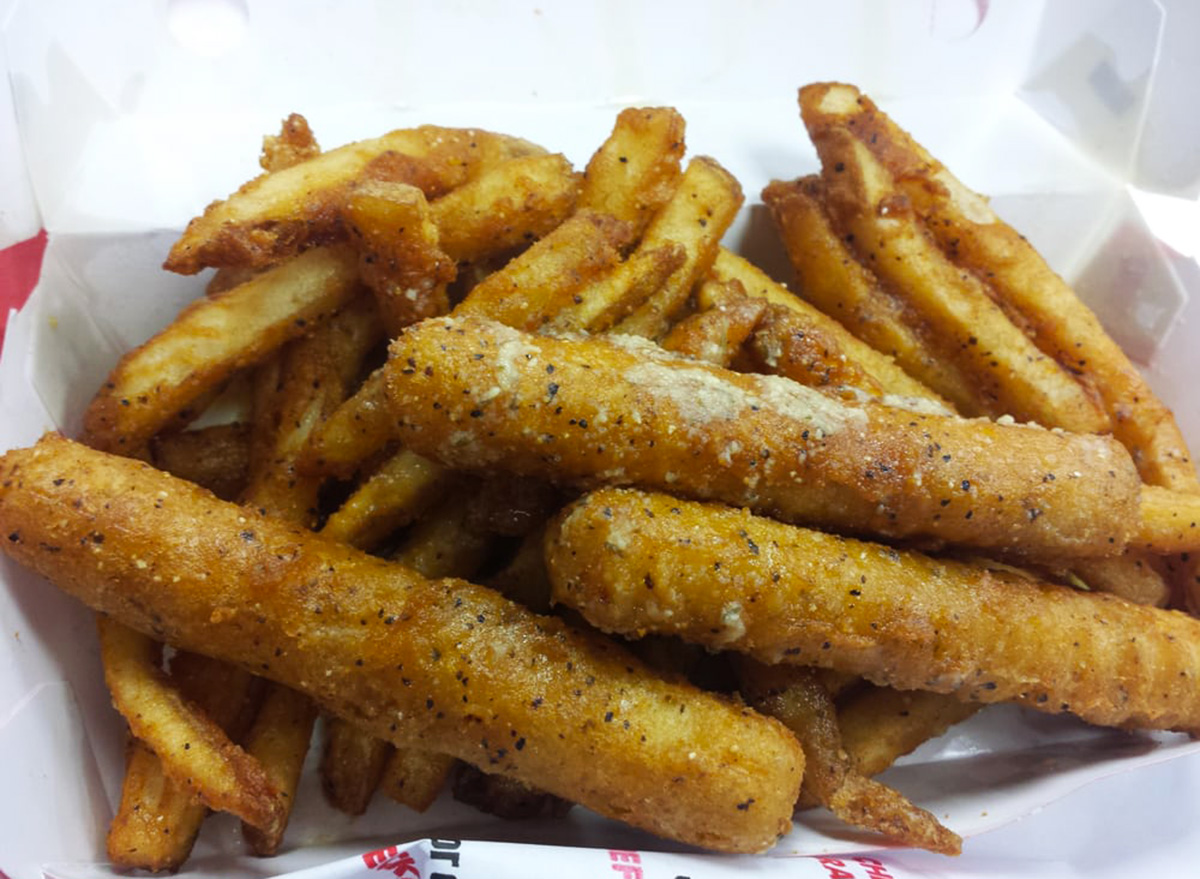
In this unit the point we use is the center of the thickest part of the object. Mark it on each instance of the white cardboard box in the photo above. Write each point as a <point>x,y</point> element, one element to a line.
<point>127,118</point>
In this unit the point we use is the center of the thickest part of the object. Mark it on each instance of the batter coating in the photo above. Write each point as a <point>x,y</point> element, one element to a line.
<point>439,664</point>
<point>473,394</point>
<point>638,562</point>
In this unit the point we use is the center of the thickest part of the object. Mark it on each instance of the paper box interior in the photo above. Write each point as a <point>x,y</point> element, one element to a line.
<point>132,117</point>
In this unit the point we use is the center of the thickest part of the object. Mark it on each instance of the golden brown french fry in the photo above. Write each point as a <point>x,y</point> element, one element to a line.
<point>159,817</point>
<point>399,258</point>
<point>294,144</point>
<point>287,587</point>
<point>1133,576</point>
<point>880,725</point>
<point>156,385</point>
<point>351,765</point>
<point>830,276</point>
<point>717,335</point>
<point>697,216</point>
<point>280,214</point>
<point>357,429</point>
<point>1035,297</point>
<point>609,409</point>
<point>1011,375</point>
<point>636,170</point>
<point>1169,521</point>
<point>398,492</point>
<point>194,751</point>
<point>443,543</point>
<point>279,739</point>
<point>528,291</point>
<point>414,778</point>
<point>611,297</point>
<point>843,347</point>
<point>215,457</point>
<point>507,207</point>
<point>797,697</point>
<point>871,610</point>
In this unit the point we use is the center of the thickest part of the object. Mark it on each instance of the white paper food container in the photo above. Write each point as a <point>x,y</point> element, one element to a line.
<point>132,116</point>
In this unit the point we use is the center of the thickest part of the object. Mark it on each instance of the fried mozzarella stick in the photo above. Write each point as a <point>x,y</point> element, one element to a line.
<point>471,393</point>
<point>636,562</point>
<point>442,664</point>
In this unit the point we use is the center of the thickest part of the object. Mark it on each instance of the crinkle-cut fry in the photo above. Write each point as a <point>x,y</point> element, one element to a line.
<point>504,797</point>
<point>157,385</point>
<point>786,594</point>
<point>534,286</point>
<point>612,410</point>
<point>507,207</point>
<point>611,297</point>
<point>158,817</point>
<point>194,751</point>
<point>280,214</point>
<point>842,345</point>
<point>1011,375</point>
<point>797,697</point>
<point>393,229</point>
<point>294,144</point>
<point>716,336</point>
<point>215,457</point>
<point>403,487</point>
<point>352,433</point>
<point>698,214</point>
<point>288,588</point>
<point>879,725</point>
<point>414,778</point>
<point>279,739</point>
<point>830,276</point>
<point>637,168</point>
<point>351,765</point>
<point>1035,297</point>
<point>1168,521</point>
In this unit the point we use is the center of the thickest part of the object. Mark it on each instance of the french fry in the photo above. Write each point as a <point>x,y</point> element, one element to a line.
<point>508,206</point>
<point>523,579</point>
<point>414,778</point>
<point>215,457</point>
<point>274,582</point>
<point>797,698</point>
<point>158,817</point>
<point>831,277</point>
<point>785,594</point>
<point>1168,521</point>
<point>357,429</point>
<point>279,739</point>
<point>352,765</point>
<point>880,725</point>
<point>157,385</point>
<point>505,797</point>
<point>611,297</point>
<point>716,335</point>
<point>842,346</point>
<point>697,216</point>
<point>398,492</point>
<point>636,170</point>
<point>528,291</point>
<point>1012,376</point>
<point>1033,295</point>
<point>511,506</point>
<point>194,751</point>
<point>280,214</point>
<point>588,411</point>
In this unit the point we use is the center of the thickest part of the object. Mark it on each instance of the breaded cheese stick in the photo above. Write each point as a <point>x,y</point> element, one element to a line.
<point>472,393</point>
<point>440,664</point>
<point>637,562</point>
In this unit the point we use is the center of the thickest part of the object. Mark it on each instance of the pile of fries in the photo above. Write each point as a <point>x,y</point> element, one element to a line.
<point>738,548</point>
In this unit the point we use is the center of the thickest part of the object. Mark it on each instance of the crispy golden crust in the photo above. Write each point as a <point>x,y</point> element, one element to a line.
<point>279,214</point>
<point>636,562</point>
<point>158,384</point>
<point>441,663</point>
<point>471,393</point>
